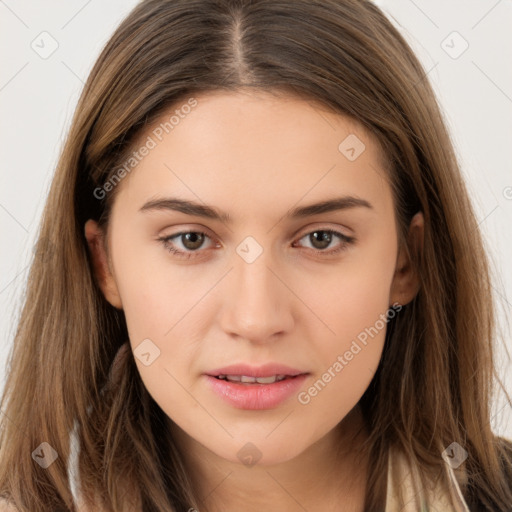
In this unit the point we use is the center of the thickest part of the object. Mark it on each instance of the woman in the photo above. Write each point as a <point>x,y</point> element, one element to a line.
<point>263,284</point>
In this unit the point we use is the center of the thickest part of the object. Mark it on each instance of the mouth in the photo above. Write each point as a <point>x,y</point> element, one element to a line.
<point>246,379</point>
<point>246,374</point>
<point>244,386</point>
<point>255,393</point>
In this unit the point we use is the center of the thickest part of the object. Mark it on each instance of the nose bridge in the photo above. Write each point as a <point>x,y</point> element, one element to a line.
<point>257,304</point>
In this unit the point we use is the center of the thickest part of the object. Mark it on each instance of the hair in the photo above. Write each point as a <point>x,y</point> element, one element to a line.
<point>437,374</point>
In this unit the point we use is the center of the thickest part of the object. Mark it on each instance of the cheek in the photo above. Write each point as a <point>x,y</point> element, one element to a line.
<point>155,293</point>
<point>353,296</point>
<point>353,303</point>
<point>348,360</point>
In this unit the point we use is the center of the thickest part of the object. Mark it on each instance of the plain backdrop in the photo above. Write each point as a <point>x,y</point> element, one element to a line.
<point>48,48</point>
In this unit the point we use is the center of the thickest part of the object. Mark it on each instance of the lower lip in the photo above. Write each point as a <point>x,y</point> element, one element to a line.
<point>256,396</point>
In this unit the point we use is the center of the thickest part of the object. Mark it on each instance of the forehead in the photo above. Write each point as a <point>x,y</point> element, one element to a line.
<point>251,145</point>
<point>246,113</point>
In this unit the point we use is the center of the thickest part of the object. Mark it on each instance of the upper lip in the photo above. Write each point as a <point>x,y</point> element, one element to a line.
<point>266,370</point>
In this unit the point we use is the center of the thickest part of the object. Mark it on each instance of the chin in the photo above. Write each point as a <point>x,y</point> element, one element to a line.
<point>260,453</point>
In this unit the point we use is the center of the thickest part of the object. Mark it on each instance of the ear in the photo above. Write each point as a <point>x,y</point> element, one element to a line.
<point>97,248</point>
<point>406,283</point>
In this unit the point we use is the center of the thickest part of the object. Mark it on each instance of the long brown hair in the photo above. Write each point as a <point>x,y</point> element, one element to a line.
<point>435,382</point>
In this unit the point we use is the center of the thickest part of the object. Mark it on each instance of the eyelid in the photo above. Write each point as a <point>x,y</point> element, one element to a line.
<point>297,235</point>
<point>322,227</point>
<point>184,229</point>
<point>345,241</point>
<point>181,254</point>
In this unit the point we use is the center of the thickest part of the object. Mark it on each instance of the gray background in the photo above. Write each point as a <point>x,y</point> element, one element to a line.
<point>38,93</point>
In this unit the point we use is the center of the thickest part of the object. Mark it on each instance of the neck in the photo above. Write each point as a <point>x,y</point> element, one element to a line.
<point>330,475</point>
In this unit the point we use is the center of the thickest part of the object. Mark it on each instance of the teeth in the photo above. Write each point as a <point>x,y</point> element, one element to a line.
<point>266,380</point>
<point>252,380</point>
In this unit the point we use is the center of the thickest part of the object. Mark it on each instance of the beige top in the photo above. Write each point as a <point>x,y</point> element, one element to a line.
<point>404,492</point>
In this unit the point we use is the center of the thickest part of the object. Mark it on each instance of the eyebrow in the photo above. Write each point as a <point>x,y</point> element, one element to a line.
<point>202,210</point>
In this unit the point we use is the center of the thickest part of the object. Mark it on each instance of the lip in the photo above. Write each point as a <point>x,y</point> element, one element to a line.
<point>256,396</point>
<point>266,370</point>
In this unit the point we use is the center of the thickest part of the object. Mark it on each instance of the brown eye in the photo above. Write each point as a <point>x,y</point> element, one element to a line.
<point>185,244</point>
<point>321,239</point>
<point>192,240</point>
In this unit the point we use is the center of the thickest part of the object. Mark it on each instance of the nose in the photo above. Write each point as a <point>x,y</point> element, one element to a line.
<point>257,305</point>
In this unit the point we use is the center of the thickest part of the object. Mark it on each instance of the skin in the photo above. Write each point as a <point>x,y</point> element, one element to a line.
<point>256,156</point>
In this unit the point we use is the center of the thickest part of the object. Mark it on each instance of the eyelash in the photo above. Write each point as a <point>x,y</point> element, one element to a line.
<point>346,241</point>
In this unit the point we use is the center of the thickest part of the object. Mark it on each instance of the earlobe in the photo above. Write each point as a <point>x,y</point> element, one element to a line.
<point>97,249</point>
<point>406,281</point>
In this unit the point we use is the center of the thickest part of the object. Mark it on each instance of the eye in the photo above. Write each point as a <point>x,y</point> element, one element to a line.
<point>322,238</point>
<point>192,241</point>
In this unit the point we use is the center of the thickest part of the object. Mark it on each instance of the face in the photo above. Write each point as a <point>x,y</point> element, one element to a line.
<point>252,275</point>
